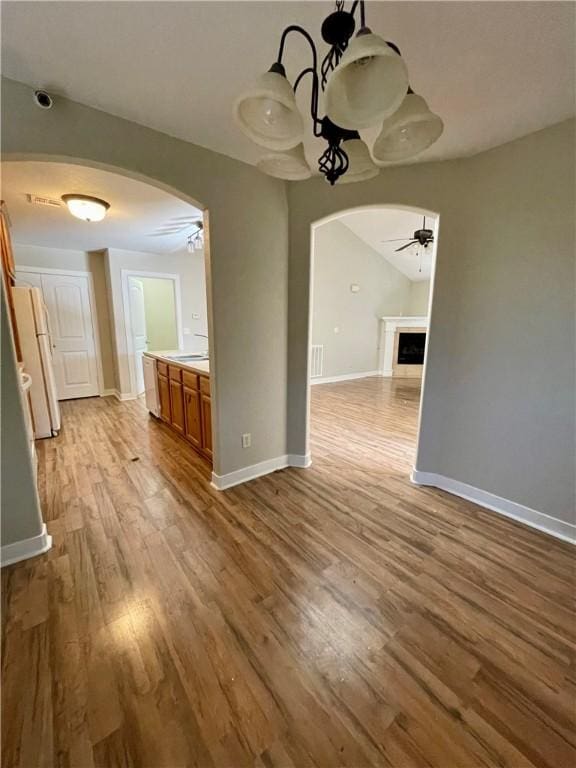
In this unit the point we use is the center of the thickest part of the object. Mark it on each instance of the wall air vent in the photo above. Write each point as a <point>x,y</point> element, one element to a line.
<point>316,361</point>
<point>37,200</point>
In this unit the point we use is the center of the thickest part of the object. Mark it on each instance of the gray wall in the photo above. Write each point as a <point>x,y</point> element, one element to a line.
<point>499,392</point>
<point>249,254</point>
<point>498,406</point>
<point>21,517</point>
<point>341,259</point>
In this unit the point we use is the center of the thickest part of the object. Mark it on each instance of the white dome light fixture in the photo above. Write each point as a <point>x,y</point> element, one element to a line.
<point>290,165</point>
<point>364,80</point>
<point>408,132</point>
<point>86,207</point>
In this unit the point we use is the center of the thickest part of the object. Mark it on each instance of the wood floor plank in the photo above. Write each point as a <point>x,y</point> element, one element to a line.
<point>321,618</point>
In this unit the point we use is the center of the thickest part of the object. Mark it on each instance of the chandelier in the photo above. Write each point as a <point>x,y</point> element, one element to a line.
<point>364,82</point>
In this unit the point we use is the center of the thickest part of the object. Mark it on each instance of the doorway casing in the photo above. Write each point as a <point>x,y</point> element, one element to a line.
<point>125,275</point>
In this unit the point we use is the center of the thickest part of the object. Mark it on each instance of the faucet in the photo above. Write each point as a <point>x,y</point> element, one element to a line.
<point>202,336</point>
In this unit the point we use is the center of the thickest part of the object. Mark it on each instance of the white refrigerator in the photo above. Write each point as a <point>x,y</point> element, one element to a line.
<point>36,345</point>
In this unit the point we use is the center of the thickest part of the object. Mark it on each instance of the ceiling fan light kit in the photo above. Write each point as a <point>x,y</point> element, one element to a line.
<point>408,132</point>
<point>364,81</point>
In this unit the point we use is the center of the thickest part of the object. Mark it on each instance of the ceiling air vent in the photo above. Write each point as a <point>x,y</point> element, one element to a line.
<point>37,200</point>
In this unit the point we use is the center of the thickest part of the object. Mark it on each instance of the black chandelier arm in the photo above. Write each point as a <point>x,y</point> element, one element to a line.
<point>313,70</point>
<point>355,4</point>
<point>314,98</point>
<point>302,31</point>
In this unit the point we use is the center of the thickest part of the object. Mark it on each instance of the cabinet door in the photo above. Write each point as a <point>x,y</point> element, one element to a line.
<point>164,395</point>
<point>207,425</point>
<point>177,404</point>
<point>192,417</point>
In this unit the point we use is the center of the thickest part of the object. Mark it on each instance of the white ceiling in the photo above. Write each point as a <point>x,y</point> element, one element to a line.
<point>494,71</point>
<point>137,210</point>
<point>379,224</point>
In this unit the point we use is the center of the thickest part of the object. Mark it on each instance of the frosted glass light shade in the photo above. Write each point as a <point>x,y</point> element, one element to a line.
<point>290,165</point>
<point>267,113</point>
<point>409,131</point>
<point>85,207</point>
<point>368,84</point>
<point>361,166</point>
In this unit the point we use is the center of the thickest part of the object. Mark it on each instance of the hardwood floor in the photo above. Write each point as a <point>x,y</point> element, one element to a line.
<point>335,616</point>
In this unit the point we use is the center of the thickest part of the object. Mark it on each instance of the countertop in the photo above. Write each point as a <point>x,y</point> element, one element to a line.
<point>201,366</point>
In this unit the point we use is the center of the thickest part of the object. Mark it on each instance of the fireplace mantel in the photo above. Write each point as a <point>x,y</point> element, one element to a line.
<point>388,327</point>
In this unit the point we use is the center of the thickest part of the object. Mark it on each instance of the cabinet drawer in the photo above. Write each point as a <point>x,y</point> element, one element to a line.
<point>205,385</point>
<point>190,380</point>
<point>162,368</point>
<point>174,373</point>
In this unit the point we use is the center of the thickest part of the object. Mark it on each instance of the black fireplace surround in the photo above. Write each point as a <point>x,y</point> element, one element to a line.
<point>411,348</point>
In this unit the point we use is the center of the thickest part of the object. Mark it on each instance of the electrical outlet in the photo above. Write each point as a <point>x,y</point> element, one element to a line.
<point>246,440</point>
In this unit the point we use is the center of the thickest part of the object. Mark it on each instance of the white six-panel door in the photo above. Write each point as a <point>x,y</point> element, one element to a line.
<point>67,299</point>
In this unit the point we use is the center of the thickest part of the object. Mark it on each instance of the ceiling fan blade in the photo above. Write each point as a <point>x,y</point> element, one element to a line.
<point>406,246</point>
<point>394,240</point>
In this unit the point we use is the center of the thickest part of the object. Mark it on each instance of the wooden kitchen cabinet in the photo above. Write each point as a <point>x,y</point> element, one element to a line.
<point>177,405</point>
<point>185,404</point>
<point>192,417</point>
<point>164,397</point>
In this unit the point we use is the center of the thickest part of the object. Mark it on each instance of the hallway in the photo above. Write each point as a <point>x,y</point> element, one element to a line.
<point>335,616</point>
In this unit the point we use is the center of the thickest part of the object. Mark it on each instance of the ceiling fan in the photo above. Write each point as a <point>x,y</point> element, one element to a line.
<point>421,236</point>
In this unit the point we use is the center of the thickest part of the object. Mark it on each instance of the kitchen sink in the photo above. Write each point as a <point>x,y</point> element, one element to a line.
<point>187,358</point>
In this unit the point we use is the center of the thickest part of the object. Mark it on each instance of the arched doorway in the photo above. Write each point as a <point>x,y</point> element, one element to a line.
<point>371,294</point>
<point>122,344</point>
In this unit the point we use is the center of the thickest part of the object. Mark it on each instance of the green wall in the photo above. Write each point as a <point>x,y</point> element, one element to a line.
<point>160,311</point>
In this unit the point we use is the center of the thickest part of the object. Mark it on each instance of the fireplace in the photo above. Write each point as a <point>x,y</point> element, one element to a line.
<point>411,348</point>
<point>402,345</point>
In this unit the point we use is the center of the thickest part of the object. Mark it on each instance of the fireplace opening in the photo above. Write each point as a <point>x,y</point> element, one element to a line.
<point>411,348</point>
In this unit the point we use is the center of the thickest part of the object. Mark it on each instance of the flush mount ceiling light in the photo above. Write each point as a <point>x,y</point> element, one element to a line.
<point>85,207</point>
<point>365,82</point>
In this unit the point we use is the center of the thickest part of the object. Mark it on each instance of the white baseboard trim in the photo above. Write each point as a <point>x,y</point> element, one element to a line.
<point>388,373</point>
<point>108,393</point>
<point>222,482</point>
<point>122,396</point>
<point>343,377</point>
<point>299,460</point>
<point>22,550</point>
<point>539,520</point>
